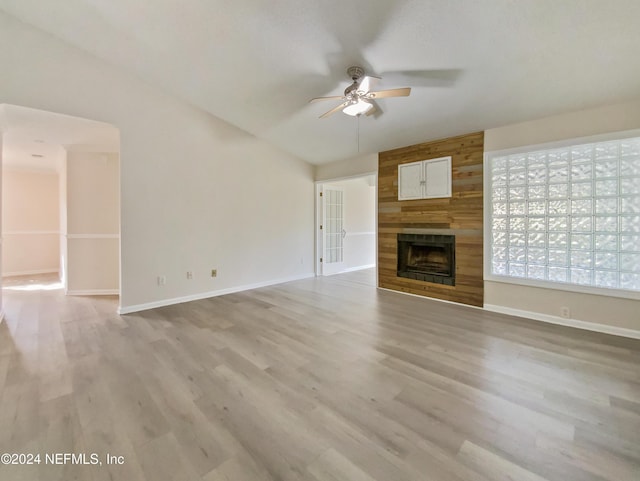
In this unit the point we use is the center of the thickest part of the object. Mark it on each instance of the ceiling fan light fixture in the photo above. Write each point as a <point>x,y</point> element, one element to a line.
<point>358,108</point>
<point>358,97</point>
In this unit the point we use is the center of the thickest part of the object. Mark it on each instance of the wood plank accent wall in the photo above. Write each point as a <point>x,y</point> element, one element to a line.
<point>460,215</point>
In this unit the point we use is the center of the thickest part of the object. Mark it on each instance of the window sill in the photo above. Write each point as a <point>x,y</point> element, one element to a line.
<point>559,286</point>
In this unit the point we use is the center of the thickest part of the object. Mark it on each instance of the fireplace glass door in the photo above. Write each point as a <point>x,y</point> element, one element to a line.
<point>427,257</point>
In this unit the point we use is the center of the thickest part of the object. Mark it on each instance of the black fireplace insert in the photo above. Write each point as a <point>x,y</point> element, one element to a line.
<point>427,257</point>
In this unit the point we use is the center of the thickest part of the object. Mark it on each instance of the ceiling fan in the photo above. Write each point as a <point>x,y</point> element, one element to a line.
<point>358,98</point>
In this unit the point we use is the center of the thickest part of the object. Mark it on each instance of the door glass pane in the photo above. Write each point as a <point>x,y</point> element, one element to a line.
<point>334,224</point>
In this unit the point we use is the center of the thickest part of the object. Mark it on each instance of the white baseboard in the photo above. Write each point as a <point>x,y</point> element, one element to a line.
<point>536,316</point>
<point>206,295</point>
<point>30,273</point>
<point>586,325</point>
<point>93,292</point>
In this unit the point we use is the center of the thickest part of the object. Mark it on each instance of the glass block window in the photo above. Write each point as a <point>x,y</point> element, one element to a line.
<point>567,215</point>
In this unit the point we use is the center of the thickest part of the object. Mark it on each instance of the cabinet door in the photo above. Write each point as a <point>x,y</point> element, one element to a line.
<point>410,181</point>
<point>437,174</point>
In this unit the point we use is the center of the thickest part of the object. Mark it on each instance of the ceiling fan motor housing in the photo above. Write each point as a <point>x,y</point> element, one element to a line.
<point>355,72</point>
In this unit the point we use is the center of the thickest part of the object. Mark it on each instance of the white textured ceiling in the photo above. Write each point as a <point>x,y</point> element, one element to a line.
<point>34,139</point>
<point>256,63</point>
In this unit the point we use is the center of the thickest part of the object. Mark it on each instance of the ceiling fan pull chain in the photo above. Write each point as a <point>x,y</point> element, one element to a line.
<point>358,131</point>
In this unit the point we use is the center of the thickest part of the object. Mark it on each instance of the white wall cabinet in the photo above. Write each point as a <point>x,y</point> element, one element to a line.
<point>427,179</point>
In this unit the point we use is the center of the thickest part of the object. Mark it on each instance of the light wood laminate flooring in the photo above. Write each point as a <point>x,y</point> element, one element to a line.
<point>321,379</point>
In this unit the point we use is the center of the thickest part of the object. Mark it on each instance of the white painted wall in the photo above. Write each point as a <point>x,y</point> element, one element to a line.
<point>93,193</point>
<point>93,222</point>
<point>1,247</point>
<point>604,310</point>
<point>360,165</point>
<point>196,192</point>
<point>30,222</point>
<point>359,196</point>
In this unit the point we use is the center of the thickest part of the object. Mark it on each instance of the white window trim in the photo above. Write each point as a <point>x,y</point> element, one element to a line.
<point>488,276</point>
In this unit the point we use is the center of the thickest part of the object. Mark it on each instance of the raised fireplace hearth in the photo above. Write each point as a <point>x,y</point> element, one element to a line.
<point>427,257</point>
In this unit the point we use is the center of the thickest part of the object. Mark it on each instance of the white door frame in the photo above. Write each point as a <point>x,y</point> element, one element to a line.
<point>319,245</point>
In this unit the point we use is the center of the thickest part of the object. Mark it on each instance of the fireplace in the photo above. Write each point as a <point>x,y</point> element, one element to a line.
<point>427,257</point>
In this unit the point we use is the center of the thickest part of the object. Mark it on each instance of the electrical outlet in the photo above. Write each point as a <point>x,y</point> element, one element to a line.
<point>565,312</point>
<point>189,275</point>
<point>162,280</point>
<point>214,272</point>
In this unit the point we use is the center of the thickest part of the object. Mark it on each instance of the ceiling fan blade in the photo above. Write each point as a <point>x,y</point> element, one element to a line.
<point>403,92</point>
<point>376,111</point>
<point>367,83</point>
<point>318,99</point>
<point>334,110</point>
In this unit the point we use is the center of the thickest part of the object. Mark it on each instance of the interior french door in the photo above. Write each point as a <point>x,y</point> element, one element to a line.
<point>333,230</point>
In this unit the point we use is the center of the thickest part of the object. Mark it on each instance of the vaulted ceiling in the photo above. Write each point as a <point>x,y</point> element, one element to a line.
<point>472,64</point>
